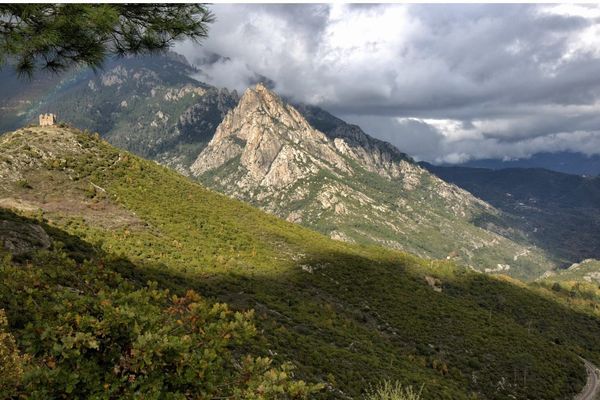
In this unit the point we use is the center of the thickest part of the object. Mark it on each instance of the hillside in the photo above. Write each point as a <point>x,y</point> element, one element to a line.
<point>148,105</point>
<point>352,187</point>
<point>559,212</point>
<point>586,272</point>
<point>344,314</point>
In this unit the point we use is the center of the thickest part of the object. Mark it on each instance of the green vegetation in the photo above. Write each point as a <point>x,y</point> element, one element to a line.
<point>94,334</point>
<point>57,36</point>
<point>347,316</point>
<point>578,286</point>
<point>11,360</point>
<point>392,391</point>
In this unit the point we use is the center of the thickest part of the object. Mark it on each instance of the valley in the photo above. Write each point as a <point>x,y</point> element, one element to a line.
<point>557,211</point>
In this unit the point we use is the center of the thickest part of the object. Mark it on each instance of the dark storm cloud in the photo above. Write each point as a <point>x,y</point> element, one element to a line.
<point>443,82</point>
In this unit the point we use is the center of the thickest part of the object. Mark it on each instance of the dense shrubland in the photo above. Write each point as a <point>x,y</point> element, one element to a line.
<point>90,333</point>
<point>349,316</point>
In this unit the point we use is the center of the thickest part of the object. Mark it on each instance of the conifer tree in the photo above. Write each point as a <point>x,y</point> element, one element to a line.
<point>56,36</point>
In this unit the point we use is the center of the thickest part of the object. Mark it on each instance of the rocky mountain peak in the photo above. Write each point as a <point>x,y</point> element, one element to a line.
<point>260,100</point>
<point>272,140</point>
<point>312,168</point>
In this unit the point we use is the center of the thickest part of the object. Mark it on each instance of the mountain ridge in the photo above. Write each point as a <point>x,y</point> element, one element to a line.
<point>267,153</point>
<point>560,211</point>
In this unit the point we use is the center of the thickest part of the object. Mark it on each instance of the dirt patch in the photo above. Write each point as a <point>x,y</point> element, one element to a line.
<point>56,196</point>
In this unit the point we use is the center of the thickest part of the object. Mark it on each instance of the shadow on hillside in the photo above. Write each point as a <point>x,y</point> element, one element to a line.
<point>357,320</point>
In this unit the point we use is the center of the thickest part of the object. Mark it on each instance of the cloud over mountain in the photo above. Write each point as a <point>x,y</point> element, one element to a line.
<point>443,82</point>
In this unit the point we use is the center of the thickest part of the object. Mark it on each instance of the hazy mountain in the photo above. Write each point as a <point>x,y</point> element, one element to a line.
<point>566,162</point>
<point>148,105</point>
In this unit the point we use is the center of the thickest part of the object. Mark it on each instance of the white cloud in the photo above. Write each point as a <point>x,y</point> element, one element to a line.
<point>470,80</point>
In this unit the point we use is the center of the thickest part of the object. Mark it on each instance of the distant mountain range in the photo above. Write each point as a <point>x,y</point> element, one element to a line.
<point>560,212</point>
<point>564,161</point>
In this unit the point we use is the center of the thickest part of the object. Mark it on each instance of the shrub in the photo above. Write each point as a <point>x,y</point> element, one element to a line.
<point>11,361</point>
<point>24,184</point>
<point>95,334</point>
<point>387,390</point>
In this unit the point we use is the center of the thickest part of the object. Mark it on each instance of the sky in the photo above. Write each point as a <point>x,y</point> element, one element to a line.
<point>444,83</point>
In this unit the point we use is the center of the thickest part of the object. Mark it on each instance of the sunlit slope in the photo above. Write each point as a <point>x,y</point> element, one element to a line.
<point>345,314</point>
<point>352,187</point>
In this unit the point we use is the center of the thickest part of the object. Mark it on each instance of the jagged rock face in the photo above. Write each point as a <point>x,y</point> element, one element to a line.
<point>276,145</point>
<point>349,185</point>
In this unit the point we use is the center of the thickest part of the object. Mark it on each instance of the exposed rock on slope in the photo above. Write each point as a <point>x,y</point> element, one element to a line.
<point>20,238</point>
<point>348,185</point>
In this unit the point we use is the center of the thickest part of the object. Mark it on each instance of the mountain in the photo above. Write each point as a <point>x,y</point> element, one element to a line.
<point>560,212</point>
<point>352,187</point>
<point>87,225</point>
<point>563,161</point>
<point>154,107</point>
<point>149,105</point>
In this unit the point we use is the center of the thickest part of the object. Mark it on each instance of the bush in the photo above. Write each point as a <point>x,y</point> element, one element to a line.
<point>392,391</point>
<point>24,184</point>
<point>11,361</point>
<point>95,334</point>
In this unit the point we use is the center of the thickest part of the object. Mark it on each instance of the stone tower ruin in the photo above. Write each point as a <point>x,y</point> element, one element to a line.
<point>47,119</point>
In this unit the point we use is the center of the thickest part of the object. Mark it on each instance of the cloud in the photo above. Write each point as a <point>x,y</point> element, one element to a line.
<point>440,81</point>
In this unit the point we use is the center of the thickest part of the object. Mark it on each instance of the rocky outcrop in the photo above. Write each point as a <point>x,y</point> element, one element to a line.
<point>21,238</point>
<point>275,144</point>
<point>312,168</point>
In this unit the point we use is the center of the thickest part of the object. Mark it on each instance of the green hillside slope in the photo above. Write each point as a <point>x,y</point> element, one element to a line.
<point>352,187</point>
<point>579,285</point>
<point>345,315</point>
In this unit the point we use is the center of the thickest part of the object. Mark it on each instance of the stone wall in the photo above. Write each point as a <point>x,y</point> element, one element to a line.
<point>47,119</point>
